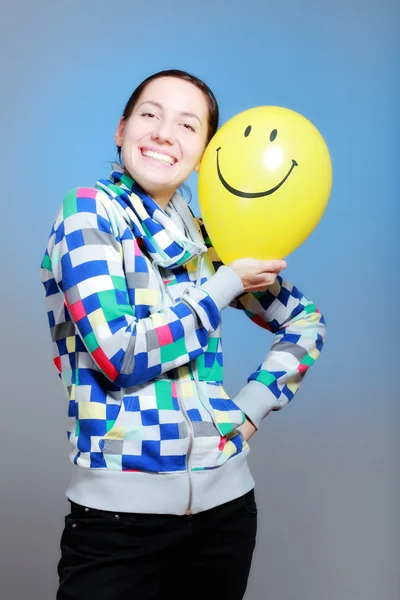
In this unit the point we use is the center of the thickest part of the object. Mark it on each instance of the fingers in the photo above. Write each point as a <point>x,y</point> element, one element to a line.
<point>264,279</point>
<point>257,274</point>
<point>271,266</point>
<point>259,283</point>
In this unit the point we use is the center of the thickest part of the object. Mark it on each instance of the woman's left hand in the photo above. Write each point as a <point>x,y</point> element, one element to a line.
<point>247,429</point>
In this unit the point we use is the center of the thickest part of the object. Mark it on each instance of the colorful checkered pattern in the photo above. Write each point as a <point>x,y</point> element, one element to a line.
<point>298,338</point>
<point>142,367</point>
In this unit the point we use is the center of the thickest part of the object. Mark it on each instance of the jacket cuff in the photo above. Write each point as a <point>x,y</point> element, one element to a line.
<point>223,286</point>
<point>256,401</point>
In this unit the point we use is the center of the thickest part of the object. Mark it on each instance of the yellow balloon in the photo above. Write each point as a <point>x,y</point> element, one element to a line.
<point>264,183</point>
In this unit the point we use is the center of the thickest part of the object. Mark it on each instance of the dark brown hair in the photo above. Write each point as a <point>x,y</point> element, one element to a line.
<point>213,110</point>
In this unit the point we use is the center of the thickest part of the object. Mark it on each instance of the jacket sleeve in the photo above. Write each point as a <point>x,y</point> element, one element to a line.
<point>299,332</point>
<point>86,260</point>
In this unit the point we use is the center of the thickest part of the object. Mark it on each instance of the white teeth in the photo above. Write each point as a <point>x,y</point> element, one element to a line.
<point>164,158</point>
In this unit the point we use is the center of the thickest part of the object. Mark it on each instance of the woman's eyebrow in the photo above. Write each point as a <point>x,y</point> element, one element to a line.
<point>189,114</point>
<point>156,104</point>
<point>159,106</point>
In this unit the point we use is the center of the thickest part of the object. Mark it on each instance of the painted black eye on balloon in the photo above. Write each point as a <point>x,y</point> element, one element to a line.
<point>273,135</point>
<point>247,132</point>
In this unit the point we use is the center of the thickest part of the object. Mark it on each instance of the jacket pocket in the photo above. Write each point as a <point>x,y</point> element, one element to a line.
<point>231,445</point>
<point>226,415</point>
<point>150,433</point>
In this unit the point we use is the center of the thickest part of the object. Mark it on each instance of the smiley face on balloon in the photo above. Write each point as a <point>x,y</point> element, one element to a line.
<point>264,183</point>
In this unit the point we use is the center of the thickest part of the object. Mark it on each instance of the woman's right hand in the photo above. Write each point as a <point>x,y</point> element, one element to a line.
<point>257,275</point>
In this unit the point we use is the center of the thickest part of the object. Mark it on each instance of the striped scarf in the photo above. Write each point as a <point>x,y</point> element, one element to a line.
<point>162,238</point>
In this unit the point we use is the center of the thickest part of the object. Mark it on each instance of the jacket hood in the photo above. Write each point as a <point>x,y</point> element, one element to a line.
<point>163,239</point>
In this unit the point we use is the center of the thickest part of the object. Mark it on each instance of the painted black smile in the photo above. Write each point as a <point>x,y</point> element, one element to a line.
<point>233,190</point>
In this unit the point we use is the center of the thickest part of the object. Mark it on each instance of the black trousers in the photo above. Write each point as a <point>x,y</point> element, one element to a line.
<point>133,556</point>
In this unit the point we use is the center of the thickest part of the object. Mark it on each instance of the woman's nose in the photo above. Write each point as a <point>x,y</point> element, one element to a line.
<point>164,132</point>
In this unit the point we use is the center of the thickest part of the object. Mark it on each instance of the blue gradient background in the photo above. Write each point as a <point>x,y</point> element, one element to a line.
<point>326,467</point>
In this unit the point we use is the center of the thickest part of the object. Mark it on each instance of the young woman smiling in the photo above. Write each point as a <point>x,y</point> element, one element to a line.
<point>162,499</point>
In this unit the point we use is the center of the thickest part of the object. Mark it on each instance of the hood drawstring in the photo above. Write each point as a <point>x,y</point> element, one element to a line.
<point>184,220</point>
<point>199,270</point>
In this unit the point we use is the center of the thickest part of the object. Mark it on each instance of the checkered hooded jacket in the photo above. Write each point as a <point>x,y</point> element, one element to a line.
<point>134,296</point>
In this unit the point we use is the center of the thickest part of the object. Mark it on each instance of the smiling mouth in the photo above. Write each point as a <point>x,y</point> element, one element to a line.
<point>165,159</point>
<point>241,194</point>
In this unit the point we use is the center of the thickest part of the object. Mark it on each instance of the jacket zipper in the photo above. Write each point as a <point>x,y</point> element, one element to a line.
<point>189,424</point>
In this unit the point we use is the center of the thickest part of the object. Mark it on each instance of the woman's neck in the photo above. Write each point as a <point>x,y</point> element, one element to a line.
<point>162,198</point>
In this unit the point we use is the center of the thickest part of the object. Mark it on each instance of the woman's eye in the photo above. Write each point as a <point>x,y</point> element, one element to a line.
<point>187,126</point>
<point>151,115</point>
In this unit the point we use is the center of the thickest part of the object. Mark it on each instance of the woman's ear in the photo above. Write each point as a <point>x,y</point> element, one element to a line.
<point>197,167</point>
<point>119,134</point>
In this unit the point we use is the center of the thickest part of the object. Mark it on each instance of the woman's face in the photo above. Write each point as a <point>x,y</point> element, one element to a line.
<point>165,137</point>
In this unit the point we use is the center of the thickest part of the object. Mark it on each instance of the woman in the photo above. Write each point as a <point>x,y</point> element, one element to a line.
<point>162,500</point>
